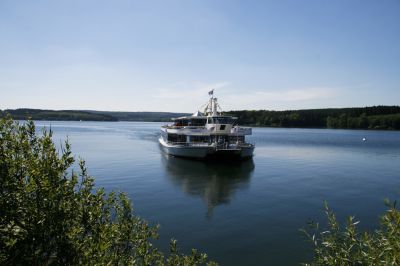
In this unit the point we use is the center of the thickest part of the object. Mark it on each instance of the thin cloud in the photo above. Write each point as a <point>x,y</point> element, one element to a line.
<point>296,95</point>
<point>291,98</point>
<point>184,96</point>
<point>187,91</point>
<point>189,97</point>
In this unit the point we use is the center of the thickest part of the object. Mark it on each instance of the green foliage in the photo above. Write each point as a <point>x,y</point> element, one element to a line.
<point>376,117</point>
<point>52,215</point>
<point>345,245</point>
<point>142,116</point>
<point>66,115</point>
<point>391,121</point>
<point>74,115</point>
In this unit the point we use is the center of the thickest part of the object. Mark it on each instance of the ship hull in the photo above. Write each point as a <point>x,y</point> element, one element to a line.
<point>207,151</point>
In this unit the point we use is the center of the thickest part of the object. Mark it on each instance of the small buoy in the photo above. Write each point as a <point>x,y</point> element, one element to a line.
<point>364,139</point>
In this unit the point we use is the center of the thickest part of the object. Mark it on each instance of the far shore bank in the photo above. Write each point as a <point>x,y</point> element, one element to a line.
<point>369,118</point>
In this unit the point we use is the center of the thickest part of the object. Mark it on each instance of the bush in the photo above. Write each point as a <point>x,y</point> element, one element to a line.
<point>338,245</point>
<point>51,215</point>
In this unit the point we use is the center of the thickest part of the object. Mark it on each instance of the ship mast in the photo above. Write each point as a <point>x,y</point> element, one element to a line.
<point>215,106</point>
<point>212,106</point>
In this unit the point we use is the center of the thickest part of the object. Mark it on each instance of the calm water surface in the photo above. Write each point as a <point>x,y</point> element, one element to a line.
<point>245,213</point>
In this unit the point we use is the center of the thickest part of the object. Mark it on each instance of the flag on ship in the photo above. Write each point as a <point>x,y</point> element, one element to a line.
<point>211,92</point>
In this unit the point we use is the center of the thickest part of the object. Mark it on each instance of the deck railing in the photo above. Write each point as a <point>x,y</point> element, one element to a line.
<point>188,143</point>
<point>188,127</point>
<point>224,145</point>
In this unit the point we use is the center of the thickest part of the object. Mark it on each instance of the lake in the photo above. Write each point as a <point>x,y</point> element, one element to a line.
<point>245,213</point>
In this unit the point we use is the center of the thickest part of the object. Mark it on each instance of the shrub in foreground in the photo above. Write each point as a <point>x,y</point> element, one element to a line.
<point>52,215</point>
<point>345,245</point>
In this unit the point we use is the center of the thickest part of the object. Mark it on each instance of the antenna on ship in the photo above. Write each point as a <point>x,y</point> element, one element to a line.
<point>213,105</point>
<point>209,107</point>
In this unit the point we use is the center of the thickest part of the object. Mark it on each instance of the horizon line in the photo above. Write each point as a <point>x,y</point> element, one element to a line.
<point>119,111</point>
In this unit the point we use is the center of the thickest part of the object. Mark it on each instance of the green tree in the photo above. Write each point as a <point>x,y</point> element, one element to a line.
<point>332,122</point>
<point>53,215</point>
<point>343,121</point>
<point>345,245</point>
<point>363,123</point>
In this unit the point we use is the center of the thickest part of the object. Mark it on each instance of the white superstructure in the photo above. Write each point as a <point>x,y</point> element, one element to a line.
<point>206,134</point>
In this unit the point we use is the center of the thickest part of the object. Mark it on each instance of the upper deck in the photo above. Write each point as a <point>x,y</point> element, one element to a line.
<point>221,125</point>
<point>210,122</point>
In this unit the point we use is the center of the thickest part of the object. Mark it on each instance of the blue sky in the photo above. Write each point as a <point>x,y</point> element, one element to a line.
<point>166,55</point>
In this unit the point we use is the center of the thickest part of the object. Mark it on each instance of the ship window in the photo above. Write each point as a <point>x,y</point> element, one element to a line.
<point>172,137</point>
<point>199,138</point>
<point>198,122</point>
<point>219,138</point>
<point>176,138</point>
<point>181,138</point>
<point>181,123</point>
<point>236,139</point>
<point>220,120</point>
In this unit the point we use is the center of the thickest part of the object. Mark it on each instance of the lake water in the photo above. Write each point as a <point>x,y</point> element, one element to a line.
<point>245,213</point>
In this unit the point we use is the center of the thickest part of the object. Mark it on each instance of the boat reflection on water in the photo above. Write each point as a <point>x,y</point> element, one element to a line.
<point>214,182</point>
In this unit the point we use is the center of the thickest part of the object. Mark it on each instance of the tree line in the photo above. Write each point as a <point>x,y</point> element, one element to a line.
<point>64,115</point>
<point>89,115</point>
<point>375,117</point>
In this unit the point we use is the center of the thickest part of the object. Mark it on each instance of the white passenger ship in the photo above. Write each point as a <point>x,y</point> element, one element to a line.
<point>206,135</point>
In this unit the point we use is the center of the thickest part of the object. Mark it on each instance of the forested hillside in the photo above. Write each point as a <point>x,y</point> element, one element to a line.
<point>64,115</point>
<point>141,116</point>
<point>76,115</point>
<point>375,117</point>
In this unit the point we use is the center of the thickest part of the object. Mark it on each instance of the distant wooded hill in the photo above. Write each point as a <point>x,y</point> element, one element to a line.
<point>73,115</point>
<point>141,116</point>
<point>375,117</point>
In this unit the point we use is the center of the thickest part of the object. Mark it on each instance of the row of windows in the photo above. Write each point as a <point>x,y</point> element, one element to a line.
<point>221,120</point>
<point>201,139</point>
<point>190,122</point>
<point>202,122</point>
<point>176,138</point>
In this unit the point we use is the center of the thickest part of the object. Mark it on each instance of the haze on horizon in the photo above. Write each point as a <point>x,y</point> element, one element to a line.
<point>166,55</point>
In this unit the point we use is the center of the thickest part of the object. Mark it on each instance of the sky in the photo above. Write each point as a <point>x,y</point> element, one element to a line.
<point>166,55</point>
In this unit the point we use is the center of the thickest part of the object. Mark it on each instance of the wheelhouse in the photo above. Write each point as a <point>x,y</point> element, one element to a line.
<point>222,120</point>
<point>190,122</point>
